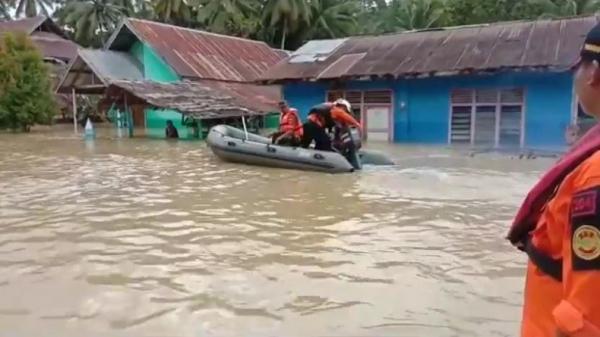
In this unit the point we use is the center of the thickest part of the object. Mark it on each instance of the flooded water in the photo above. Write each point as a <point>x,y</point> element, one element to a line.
<point>137,237</point>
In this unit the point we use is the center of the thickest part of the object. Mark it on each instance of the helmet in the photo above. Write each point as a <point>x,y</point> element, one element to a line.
<point>343,102</point>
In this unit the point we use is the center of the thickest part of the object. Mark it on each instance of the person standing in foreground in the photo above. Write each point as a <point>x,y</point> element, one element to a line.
<point>558,226</point>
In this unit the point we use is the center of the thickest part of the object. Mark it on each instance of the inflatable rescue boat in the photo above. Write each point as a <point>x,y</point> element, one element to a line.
<point>234,145</point>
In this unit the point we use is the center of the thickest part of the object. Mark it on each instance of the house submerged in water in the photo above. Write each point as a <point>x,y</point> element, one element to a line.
<point>502,85</point>
<point>150,72</point>
<point>54,46</point>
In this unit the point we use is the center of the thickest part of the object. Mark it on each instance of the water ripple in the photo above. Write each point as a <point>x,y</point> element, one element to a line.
<point>138,237</point>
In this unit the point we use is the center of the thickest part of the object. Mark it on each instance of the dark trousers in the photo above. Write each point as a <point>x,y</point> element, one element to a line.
<point>289,140</point>
<point>313,131</point>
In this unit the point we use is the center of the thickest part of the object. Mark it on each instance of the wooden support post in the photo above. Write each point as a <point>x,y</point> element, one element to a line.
<point>74,110</point>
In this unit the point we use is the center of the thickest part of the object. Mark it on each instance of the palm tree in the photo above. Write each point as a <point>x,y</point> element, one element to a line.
<point>34,7</point>
<point>332,18</point>
<point>286,15</point>
<point>236,17</point>
<point>143,9</point>
<point>172,11</point>
<point>93,20</point>
<point>5,7</point>
<point>558,8</point>
<point>412,14</point>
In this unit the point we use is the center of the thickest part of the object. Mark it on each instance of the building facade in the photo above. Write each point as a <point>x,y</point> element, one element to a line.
<point>150,72</point>
<point>505,85</point>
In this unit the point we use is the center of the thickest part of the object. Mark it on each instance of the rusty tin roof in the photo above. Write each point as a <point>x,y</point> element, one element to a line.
<point>93,70</point>
<point>52,45</point>
<point>199,99</point>
<point>27,25</point>
<point>45,34</point>
<point>203,55</point>
<point>538,44</point>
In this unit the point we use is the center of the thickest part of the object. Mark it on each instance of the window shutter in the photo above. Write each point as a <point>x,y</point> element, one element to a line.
<point>462,96</point>
<point>378,97</point>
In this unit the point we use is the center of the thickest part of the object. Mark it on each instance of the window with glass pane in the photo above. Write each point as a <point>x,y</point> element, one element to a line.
<point>495,116</point>
<point>461,124</point>
<point>461,116</point>
<point>510,125</point>
<point>485,125</point>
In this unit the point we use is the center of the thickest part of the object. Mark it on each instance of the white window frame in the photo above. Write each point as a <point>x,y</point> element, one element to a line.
<point>364,106</point>
<point>498,107</point>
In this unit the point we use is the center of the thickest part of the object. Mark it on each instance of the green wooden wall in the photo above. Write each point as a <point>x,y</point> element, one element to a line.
<point>156,122</point>
<point>154,67</point>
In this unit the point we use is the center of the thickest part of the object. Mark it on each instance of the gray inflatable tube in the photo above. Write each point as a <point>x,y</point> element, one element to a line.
<point>230,144</point>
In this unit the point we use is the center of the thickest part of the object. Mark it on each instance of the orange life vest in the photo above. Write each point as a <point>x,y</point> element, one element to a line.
<point>291,122</point>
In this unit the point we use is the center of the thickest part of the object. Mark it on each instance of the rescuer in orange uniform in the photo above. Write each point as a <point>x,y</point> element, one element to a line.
<point>290,127</point>
<point>558,226</point>
<point>323,117</point>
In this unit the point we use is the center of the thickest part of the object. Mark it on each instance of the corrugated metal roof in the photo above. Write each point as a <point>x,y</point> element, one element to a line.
<point>264,98</point>
<point>536,44</point>
<point>112,65</point>
<point>46,35</point>
<point>341,66</point>
<point>52,45</point>
<point>98,67</point>
<point>27,25</point>
<point>316,50</point>
<point>191,98</point>
<point>199,54</point>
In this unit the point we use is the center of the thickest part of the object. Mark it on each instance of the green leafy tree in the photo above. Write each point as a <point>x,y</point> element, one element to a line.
<point>412,14</point>
<point>34,7</point>
<point>173,11</point>
<point>92,21</point>
<point>143,9</point>
<point>558,8</point>
<point>333,18</point>
<point>233,17</point>
<point>285,17</point>
<point>5,7</point>
<point>465,12</point>
<point>26,96</point>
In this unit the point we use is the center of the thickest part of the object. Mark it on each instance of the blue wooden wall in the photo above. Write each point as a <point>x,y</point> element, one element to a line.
<point>424,117</point>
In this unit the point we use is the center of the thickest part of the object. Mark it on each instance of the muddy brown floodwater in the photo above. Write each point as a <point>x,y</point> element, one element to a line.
<point>137,237</point>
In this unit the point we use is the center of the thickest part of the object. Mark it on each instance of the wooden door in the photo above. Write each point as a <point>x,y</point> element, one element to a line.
<point>138,117</point>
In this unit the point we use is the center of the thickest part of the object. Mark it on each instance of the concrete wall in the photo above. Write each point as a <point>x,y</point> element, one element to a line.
<point>303,96</point>
<point>424,117</point>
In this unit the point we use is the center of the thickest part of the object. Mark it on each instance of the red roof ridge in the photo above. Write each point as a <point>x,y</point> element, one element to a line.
<point>198,31</point>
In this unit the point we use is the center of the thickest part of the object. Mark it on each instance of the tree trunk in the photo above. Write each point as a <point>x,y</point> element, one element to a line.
<point>283,35</point>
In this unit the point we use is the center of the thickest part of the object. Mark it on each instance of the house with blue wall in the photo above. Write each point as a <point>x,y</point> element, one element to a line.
<point>150,72</point>
<point>501,85</point>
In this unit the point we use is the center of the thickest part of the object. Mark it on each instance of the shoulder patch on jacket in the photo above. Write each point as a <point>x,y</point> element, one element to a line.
<point>585,229</point>
<point>584,203</point>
